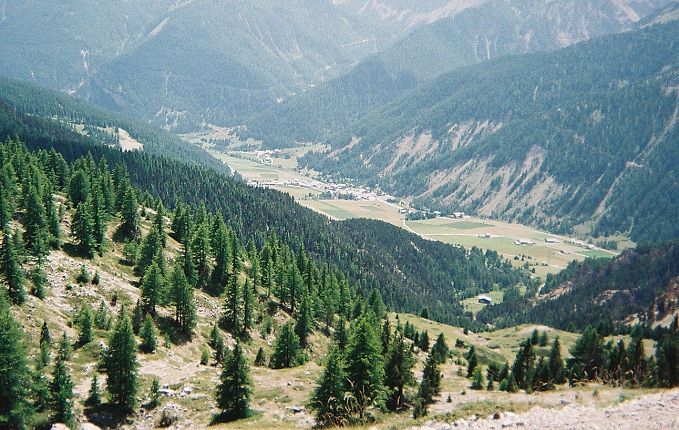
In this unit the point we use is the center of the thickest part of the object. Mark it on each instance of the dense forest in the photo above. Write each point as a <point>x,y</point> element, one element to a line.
<point>438,274</point>
<point>639,286</point>
<point>594,124</point>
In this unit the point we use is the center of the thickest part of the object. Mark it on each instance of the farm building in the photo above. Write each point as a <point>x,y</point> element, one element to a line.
<point>485,300</point>
<point>458,215</point>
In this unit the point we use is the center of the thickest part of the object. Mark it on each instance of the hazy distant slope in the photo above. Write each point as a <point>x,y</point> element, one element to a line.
<point>181,62</point>
<point>560,138</point>
<point>494,29</point>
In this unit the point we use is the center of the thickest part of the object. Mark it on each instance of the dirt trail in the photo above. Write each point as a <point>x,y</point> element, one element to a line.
<point>657,411</point>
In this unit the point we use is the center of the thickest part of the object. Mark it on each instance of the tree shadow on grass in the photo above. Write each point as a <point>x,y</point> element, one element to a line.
<point>106,416</point>
<point>167,327</point>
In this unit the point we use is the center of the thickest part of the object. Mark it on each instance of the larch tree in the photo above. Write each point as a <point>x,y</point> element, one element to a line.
<point>231,313</point>
<point>328,398</point>
<point>120,365</point>
<point>15,408</point>
<point>398,372</point>
<point>61,388</point>
<point>82,229</point>
<point>233,391</point>
<point>365,363</point>
<point>182,299</point>
<point>287,351</point>
<point>12,271</point>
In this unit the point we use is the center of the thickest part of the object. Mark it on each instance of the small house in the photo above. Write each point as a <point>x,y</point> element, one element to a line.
<point>485,300</point>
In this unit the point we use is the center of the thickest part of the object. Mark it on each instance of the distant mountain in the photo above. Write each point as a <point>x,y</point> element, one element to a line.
<point>180,63</point>
<point>560,139</point>
<point>491,29</point>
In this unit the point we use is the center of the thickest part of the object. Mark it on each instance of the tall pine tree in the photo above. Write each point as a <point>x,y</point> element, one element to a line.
<point>233,391</point>
<point>120,365</point>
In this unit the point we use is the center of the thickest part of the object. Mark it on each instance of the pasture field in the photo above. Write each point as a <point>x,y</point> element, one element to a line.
<point>502,237</point>
<point>541,256</point>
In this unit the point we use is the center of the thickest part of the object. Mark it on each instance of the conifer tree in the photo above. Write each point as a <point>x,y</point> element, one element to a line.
<point>398,372</point>
<point>221,246</point>
<point>155,393</point>
<point>376,304</point>
<point>36,234</point>
<point>182,298</point>
<point>53,221</point>
<point>556,363</point>
<point>365,363</point>
<point>260,358</point>
<point>214,335</point>
<point>423,343</point>
<point>189,266</point>
<point>45,345</point>
<point>543,381</point>
<point>152,287</point>
<point>524,364</point>
<point>477,379</point>
<point>341,337</point>
<point>248,308</point>
<point>40,386</point>
<point>15,408</point>
<point>430,386</point>
<point>149,339</point>
<point>231,314</point>
<point>472,361</point>
<point>78,187</point>
<point>328,398</point>
<point>181,224</point>
<point>303,326</point>
<point>587,355</point>
<point>120,365</point>
<point>151,251</point>
<point>12,271</point>
<point>667,359</point>
<point>137,317</point>
<point>159,224</point>
<point>287,351</point>
<point>636,362</point>
<point>440,349</point>
<point>39,279</point>
<point>61,388</point>
<point>85,321</point>
<point>386,336</point>
<point>94,395</point>
<point>233,391</point>
<point>200,250</point>
<point>82,229</point>
<point>129,211</point>
<point>98,222</point>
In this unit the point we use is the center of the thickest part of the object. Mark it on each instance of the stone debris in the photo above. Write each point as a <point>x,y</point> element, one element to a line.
<point>661,409</point>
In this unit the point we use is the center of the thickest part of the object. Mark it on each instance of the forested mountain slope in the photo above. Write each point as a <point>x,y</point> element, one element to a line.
<point>487,31</point>
<point>640,285</point>
<point>409,271</point>
<point>587,132</point>
<point>31,101</point>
